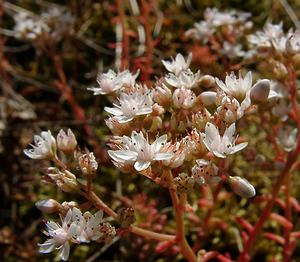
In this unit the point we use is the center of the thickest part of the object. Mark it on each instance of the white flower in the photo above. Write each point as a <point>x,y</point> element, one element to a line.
<point>229,109</point>
<point>88,163</point>
<point>201,31</point>
<point>66,142</point>
<point>162,95</point>
<point>205,172</point>
<point>287,138</point>
<point>183,98</point>
<point>136,150</point>
<point>218,18</point>
<point>232,50</point>
<point>221,146</point>
<point>264,39</point>
<point>131,105</point>
<point>186,79</point>
<point>178,64</point>
<point>237,87</point>
<point>59,236</point>
<point>179,150</point>
<point>43,148</point>
<point>29,27</point>
<point>111,81</point>
<point>293,43</point>
<point>88,225</point>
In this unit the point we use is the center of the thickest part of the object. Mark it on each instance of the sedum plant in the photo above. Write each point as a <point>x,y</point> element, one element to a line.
<point>185,132</point>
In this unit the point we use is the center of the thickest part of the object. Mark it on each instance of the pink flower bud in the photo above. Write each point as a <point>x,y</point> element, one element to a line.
<point>88,163</point>
<point>260,91</point>
<point>48,205</point>
<point>66,142</point>
<point>208,98</point>
<point>207,81</point>
<point>241,187</point>
<point>126,216</point>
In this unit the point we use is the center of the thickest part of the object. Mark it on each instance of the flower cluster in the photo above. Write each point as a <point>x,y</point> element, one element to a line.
<point>222,31</point>
<point>195,123</point>
<point>51,25</point>
<point>76,227</point>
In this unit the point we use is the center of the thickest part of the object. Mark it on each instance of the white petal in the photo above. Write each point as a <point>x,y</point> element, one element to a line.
<point>229,132</point>
<point>113,110</point>
<point>211,132</point>
<point>47,247</point>
<point>125,155</point>
<point>65,251</point>
<point>248,81</point>
<point>238,147</point>
<point>163,156</point>
<point>140,166</point>
<point>144,111</point>
<point>222,85</point>
<point>52,225</point>
<point>123,119</point>
<point>159,143</point>
<point>219,154</point>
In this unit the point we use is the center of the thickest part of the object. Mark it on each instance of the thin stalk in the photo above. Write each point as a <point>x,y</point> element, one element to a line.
<point>179,206</point>
<point>133,229</point>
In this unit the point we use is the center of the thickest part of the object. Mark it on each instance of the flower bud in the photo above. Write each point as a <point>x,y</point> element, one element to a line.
<point>66,181</point>
<point>183,98</point>
<point>88,163</point>
<point>126,216</point>
<point>208,98</point>
<point>156,124</point>
<point>280,70</point>
<point>162,95</point>
<point>108,232</point>
<point>117,128</point>
<point>48,205</point>
<point>157,110</point>
<point>207,81</point>
<point>184,183</point>
<point>205,172</point>
<point>260,91</point>
<point>66,142</point>
<point>241,187</point>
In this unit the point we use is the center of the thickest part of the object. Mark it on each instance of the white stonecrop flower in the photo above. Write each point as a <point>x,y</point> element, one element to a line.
<point>213,19</point>
<point>232,50</point>
<point>264,39</point>
<point>236,87</point>
<point>138,152</point>
<point>177,65</point>
<point>183,98</point>
<point>60,235</point>
<point>29,27</point>
<point>186,79</point>
<point>111,81</point>
<point>131,105</point>
<point>44,146</point>
<point>287,138</point>
<point>66,142</point>
<point>205,172</point>
<point>221,146</point>
<point>88,225</point>
<point>201,31</point>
